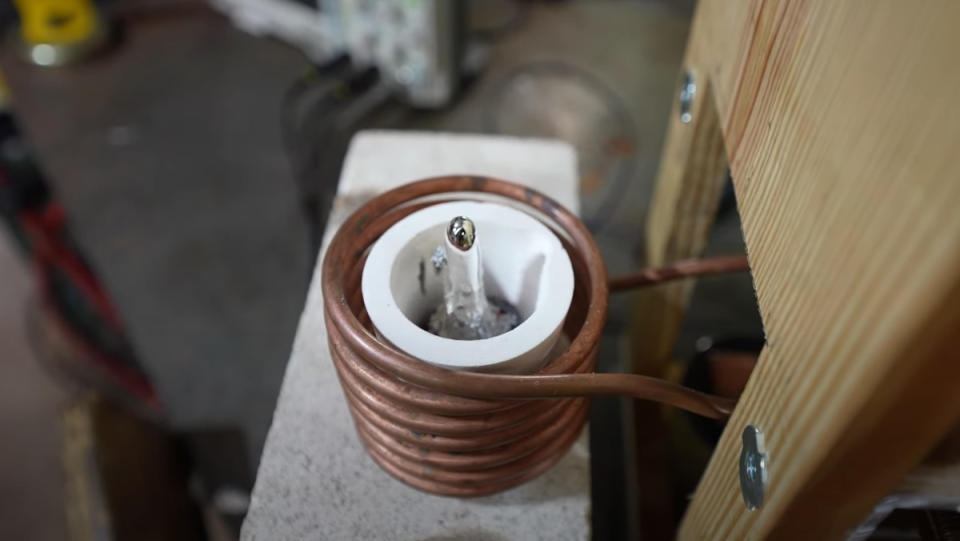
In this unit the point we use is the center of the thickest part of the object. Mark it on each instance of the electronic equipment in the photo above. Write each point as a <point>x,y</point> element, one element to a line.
<point>416,44</point>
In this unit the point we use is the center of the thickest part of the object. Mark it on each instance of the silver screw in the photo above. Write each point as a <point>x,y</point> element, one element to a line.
<point>462,233</point>
<point>687,92</point>
<point>753,468</point>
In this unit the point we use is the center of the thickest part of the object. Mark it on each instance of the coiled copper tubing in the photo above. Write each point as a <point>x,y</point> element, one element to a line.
<point>465,433</point>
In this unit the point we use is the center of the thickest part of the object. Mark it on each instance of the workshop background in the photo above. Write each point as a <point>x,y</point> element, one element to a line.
<point>165,189</point>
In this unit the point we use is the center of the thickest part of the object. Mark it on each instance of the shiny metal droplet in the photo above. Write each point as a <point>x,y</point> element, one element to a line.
<point>462,233</point>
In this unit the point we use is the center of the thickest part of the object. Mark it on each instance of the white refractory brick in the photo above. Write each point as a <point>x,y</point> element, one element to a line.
<point>315,479</point>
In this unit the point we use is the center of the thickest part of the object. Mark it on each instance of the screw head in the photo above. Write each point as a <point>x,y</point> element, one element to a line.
<point>687,92</point>
<point>462,233</point>
<point>753,468</point>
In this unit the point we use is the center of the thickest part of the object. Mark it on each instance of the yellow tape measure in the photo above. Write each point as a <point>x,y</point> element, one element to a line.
<point>57,22</point>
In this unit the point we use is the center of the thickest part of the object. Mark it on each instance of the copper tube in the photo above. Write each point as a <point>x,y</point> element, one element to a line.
<point>681,269</point>
<point>465,433</point>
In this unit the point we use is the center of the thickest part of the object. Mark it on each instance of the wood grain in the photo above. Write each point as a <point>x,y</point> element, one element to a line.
<point>843,128</point>
<point>684,207</point>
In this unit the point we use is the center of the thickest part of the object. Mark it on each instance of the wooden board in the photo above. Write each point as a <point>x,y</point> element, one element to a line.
<point>842,130</point>
<point>689,186</point>
<point>690,183</point>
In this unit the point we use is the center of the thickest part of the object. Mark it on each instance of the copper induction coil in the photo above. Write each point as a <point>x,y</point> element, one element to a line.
<point>466,433</point>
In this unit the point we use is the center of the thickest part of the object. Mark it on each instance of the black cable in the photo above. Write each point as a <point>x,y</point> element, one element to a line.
<point>330,148</point>
<point>321,112</point>
<point>329,73</point>
<point>331,86</point>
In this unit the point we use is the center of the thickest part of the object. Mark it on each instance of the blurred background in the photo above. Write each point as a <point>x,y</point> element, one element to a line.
<point>166,170</point>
